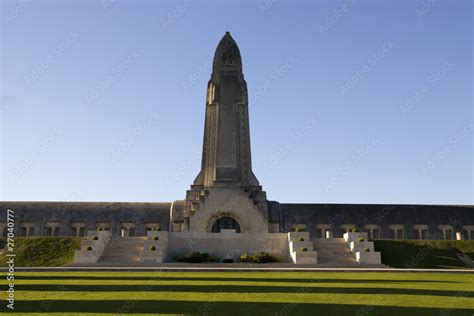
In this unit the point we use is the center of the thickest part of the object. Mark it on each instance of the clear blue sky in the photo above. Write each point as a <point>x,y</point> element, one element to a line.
<point>351,101</point>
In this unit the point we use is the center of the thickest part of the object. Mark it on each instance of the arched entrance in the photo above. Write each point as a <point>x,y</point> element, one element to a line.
<point>225,223</point>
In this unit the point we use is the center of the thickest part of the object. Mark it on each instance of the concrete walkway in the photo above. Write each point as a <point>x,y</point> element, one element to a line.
<point>230,267</point>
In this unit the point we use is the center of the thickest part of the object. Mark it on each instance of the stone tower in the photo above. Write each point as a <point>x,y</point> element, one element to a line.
<point>226,193</point>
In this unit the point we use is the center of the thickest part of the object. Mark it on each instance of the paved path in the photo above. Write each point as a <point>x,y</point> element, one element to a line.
<point>230,267</point>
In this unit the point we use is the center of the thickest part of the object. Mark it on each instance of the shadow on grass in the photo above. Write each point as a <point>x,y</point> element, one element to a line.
<point>309,279</point>
<point>222,308</point>
<point>232,289</point>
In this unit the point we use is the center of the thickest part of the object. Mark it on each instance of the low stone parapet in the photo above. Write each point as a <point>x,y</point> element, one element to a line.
<point>301,248</point>
<point>93,247</point>
<point>368,257</point>
<point>155,249</point>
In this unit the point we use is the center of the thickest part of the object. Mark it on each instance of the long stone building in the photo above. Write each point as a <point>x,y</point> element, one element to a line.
<point>227,195</point>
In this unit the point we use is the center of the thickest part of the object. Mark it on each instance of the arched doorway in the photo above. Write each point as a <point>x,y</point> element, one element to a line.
<point>225,223</point>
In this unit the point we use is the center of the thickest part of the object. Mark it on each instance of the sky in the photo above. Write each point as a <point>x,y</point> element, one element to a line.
<point>350,101</point>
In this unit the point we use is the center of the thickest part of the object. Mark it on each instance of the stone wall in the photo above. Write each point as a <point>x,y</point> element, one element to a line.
<point>336,216</point>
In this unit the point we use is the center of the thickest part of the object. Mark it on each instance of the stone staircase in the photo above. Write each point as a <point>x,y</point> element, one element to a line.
<point>123,251</point>
<point>333,251</point>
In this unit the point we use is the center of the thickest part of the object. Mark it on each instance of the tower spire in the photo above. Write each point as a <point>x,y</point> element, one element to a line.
<point>225,190</point>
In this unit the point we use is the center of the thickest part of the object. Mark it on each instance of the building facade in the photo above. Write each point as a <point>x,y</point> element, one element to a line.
<point>227,195</point>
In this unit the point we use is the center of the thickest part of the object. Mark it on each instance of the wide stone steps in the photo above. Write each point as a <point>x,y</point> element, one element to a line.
<point>333,251</point>
<point>123,251</point>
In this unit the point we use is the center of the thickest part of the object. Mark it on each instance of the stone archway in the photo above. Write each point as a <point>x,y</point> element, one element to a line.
<point>225,223</point>
<point>224,220</point>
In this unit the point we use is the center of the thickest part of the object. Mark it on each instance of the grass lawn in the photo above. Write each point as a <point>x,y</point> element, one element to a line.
<point>242,293</point>
<point>42,251</point>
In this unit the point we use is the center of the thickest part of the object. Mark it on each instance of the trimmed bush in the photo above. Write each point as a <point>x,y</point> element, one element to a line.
<point>155,238</point>
<point>360,239</point>
<point>89,248</point>
<point>196,257</point>
<point>157,229</point>
<point>152,248</point>
<point>228,261</point>
<point>366,250</point>
<point>99,229</point>
<point>300,238</point>
<point>299,230</point>
<point>355,230</point>
<point>304,249</point>
<point>95,238</point>
<point>259,257</point>
<point>245,257</point>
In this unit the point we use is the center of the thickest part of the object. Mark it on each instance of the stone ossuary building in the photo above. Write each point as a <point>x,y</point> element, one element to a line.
<point>227,195</point>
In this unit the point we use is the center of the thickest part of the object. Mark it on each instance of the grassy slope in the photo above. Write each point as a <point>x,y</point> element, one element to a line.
<point>43,251</point>
<point>424,253</point>
<point>239,293</point>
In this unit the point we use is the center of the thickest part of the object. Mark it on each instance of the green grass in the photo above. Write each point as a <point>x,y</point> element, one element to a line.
<point>424,253</point>
<point>43,251</point>
<point>239,293</point>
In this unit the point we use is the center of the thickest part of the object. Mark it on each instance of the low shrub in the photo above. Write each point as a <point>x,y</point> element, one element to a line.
<point>360,239</point>
<point>89,248</point>
<point>95,238</point>
<point>228,261</point>
<point>157,229</point>
<point>152,248</point>
<point>155,238</point>
<point>366,250</point>
<point>196,257</point>
<point>300,238</point>
<point>304,249</point>
<point>99,229</point>
<point>299,229</point>
<point>355,230</point>
<point>245,257</point>
<point>259,257</point>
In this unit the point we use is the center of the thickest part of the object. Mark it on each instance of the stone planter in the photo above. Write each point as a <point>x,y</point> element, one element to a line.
<point>295,235</point>
<point>368,257</point>
<point>305,257</point>
<point>348,237</point>
<point>357,246</point>
<point>98,246</point>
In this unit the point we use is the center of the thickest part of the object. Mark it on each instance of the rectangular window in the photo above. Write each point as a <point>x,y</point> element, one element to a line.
<point>393,234</point>
<point>22,231</point>
<point>424,234</point>
<point>375,234</point>
<point>319,233</point>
